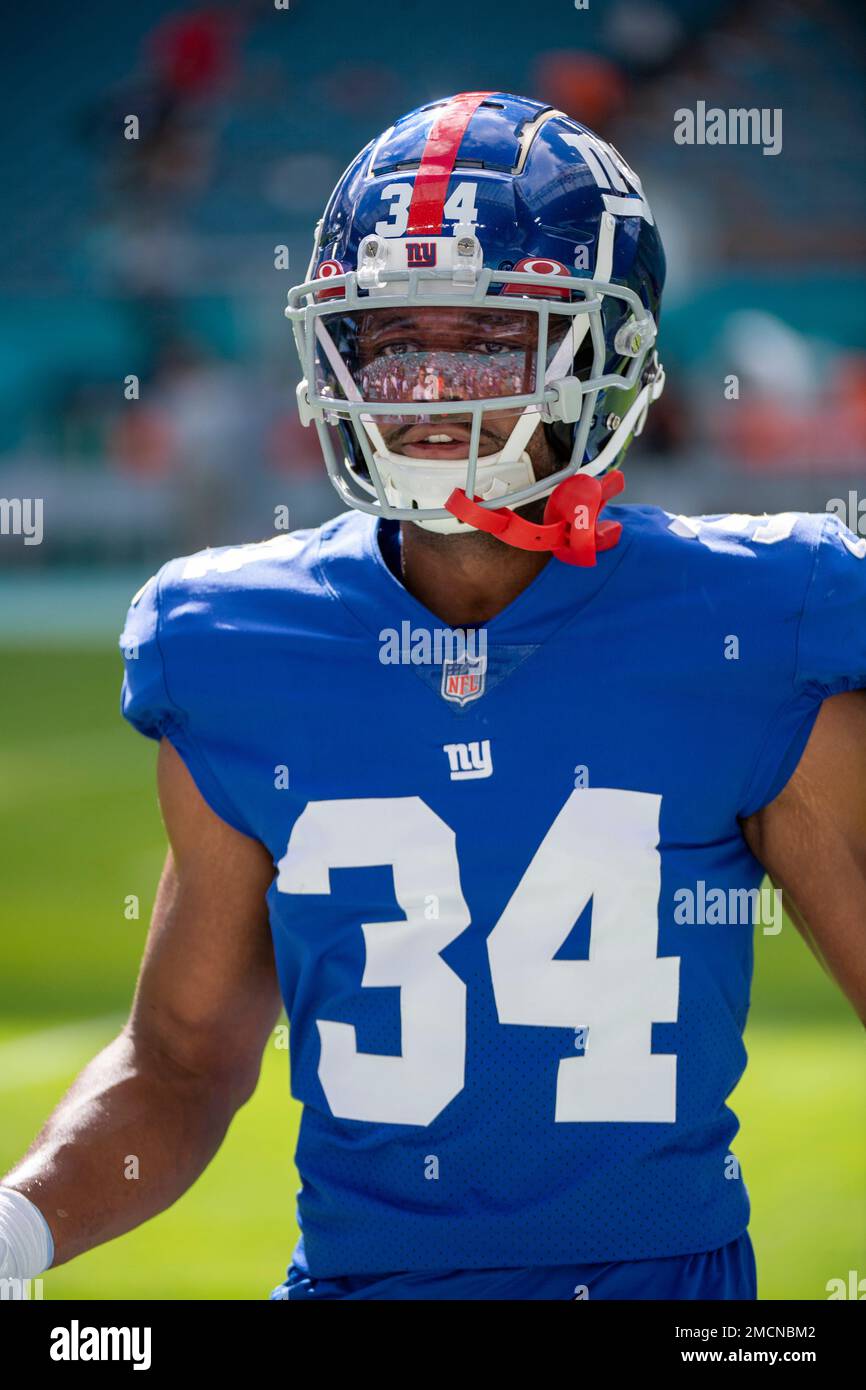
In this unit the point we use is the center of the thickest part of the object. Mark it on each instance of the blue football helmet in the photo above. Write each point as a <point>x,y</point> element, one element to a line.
<point>526,244</point>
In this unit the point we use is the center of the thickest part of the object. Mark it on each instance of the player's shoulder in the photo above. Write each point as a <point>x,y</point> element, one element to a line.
<point>732,534</point>
<point>783,549</point>
<point>224,585</point>
<point>287,561</point>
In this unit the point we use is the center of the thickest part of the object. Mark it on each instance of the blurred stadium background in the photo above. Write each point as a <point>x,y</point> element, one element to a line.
<point>155,258</point>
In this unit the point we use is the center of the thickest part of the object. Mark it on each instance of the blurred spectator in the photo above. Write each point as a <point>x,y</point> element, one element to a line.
<point>193,54</point>
<point>644,34</point>
<point>801,405</point>
<point>582,85</point>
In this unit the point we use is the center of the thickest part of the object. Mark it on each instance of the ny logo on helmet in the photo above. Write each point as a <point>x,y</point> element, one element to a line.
<point>420,253</point>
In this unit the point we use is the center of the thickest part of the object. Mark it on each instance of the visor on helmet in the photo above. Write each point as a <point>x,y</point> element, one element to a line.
<point>429,355</point>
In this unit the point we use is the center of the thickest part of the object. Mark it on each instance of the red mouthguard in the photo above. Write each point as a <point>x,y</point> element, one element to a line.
<point>571,528</point>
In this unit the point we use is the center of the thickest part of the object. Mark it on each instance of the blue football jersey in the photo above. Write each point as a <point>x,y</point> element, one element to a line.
<point>512,907</point>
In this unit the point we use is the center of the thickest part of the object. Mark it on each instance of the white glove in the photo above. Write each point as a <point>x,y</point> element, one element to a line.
<point>26,1245</point>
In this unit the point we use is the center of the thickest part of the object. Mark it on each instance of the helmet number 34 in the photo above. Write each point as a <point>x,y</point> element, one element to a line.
<point>601,848</point>
<point>460,207</point>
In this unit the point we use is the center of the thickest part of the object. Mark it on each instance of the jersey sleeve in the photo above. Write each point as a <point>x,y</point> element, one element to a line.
<point>146,700</point>
<point>829,655</point>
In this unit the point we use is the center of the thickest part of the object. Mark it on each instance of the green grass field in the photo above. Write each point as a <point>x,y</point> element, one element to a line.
<point>80,832</point>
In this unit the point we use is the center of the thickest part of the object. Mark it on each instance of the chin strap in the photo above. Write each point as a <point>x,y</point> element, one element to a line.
<point>571,528</point>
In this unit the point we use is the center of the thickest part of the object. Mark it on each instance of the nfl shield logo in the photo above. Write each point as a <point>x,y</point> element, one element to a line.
<point>463,679</point>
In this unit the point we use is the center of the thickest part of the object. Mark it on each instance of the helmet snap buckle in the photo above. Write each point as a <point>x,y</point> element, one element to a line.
<point>635,336</point>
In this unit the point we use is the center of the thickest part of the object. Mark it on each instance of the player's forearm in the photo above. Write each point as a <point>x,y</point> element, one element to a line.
<point>130,1136</point>
<point>843,956</point>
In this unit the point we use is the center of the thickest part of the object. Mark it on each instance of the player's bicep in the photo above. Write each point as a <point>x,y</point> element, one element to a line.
<point>207,995</point>
<point>812,841</point>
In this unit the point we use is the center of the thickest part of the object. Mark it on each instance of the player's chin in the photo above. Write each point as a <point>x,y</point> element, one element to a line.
<point>532,512</point>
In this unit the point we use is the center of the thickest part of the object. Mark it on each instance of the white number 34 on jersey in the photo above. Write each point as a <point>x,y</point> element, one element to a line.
<point>603,845</point>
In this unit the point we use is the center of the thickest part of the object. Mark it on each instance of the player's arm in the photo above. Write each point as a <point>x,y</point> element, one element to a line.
<point>812,841</point>
<point>167,1087</point>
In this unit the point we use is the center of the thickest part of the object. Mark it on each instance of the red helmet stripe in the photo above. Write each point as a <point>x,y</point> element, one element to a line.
<point>438,160</point>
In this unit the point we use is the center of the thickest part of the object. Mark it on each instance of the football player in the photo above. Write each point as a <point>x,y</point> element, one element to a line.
<point>505,889</point>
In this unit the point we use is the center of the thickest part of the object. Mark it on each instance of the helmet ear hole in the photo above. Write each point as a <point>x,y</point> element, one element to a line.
<point>560,438</point>
<point>583,360</point>
<point>352,449</point>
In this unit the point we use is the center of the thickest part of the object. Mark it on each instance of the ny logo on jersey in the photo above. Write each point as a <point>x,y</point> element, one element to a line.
<point>468,760</point>
<point>463,678</point>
